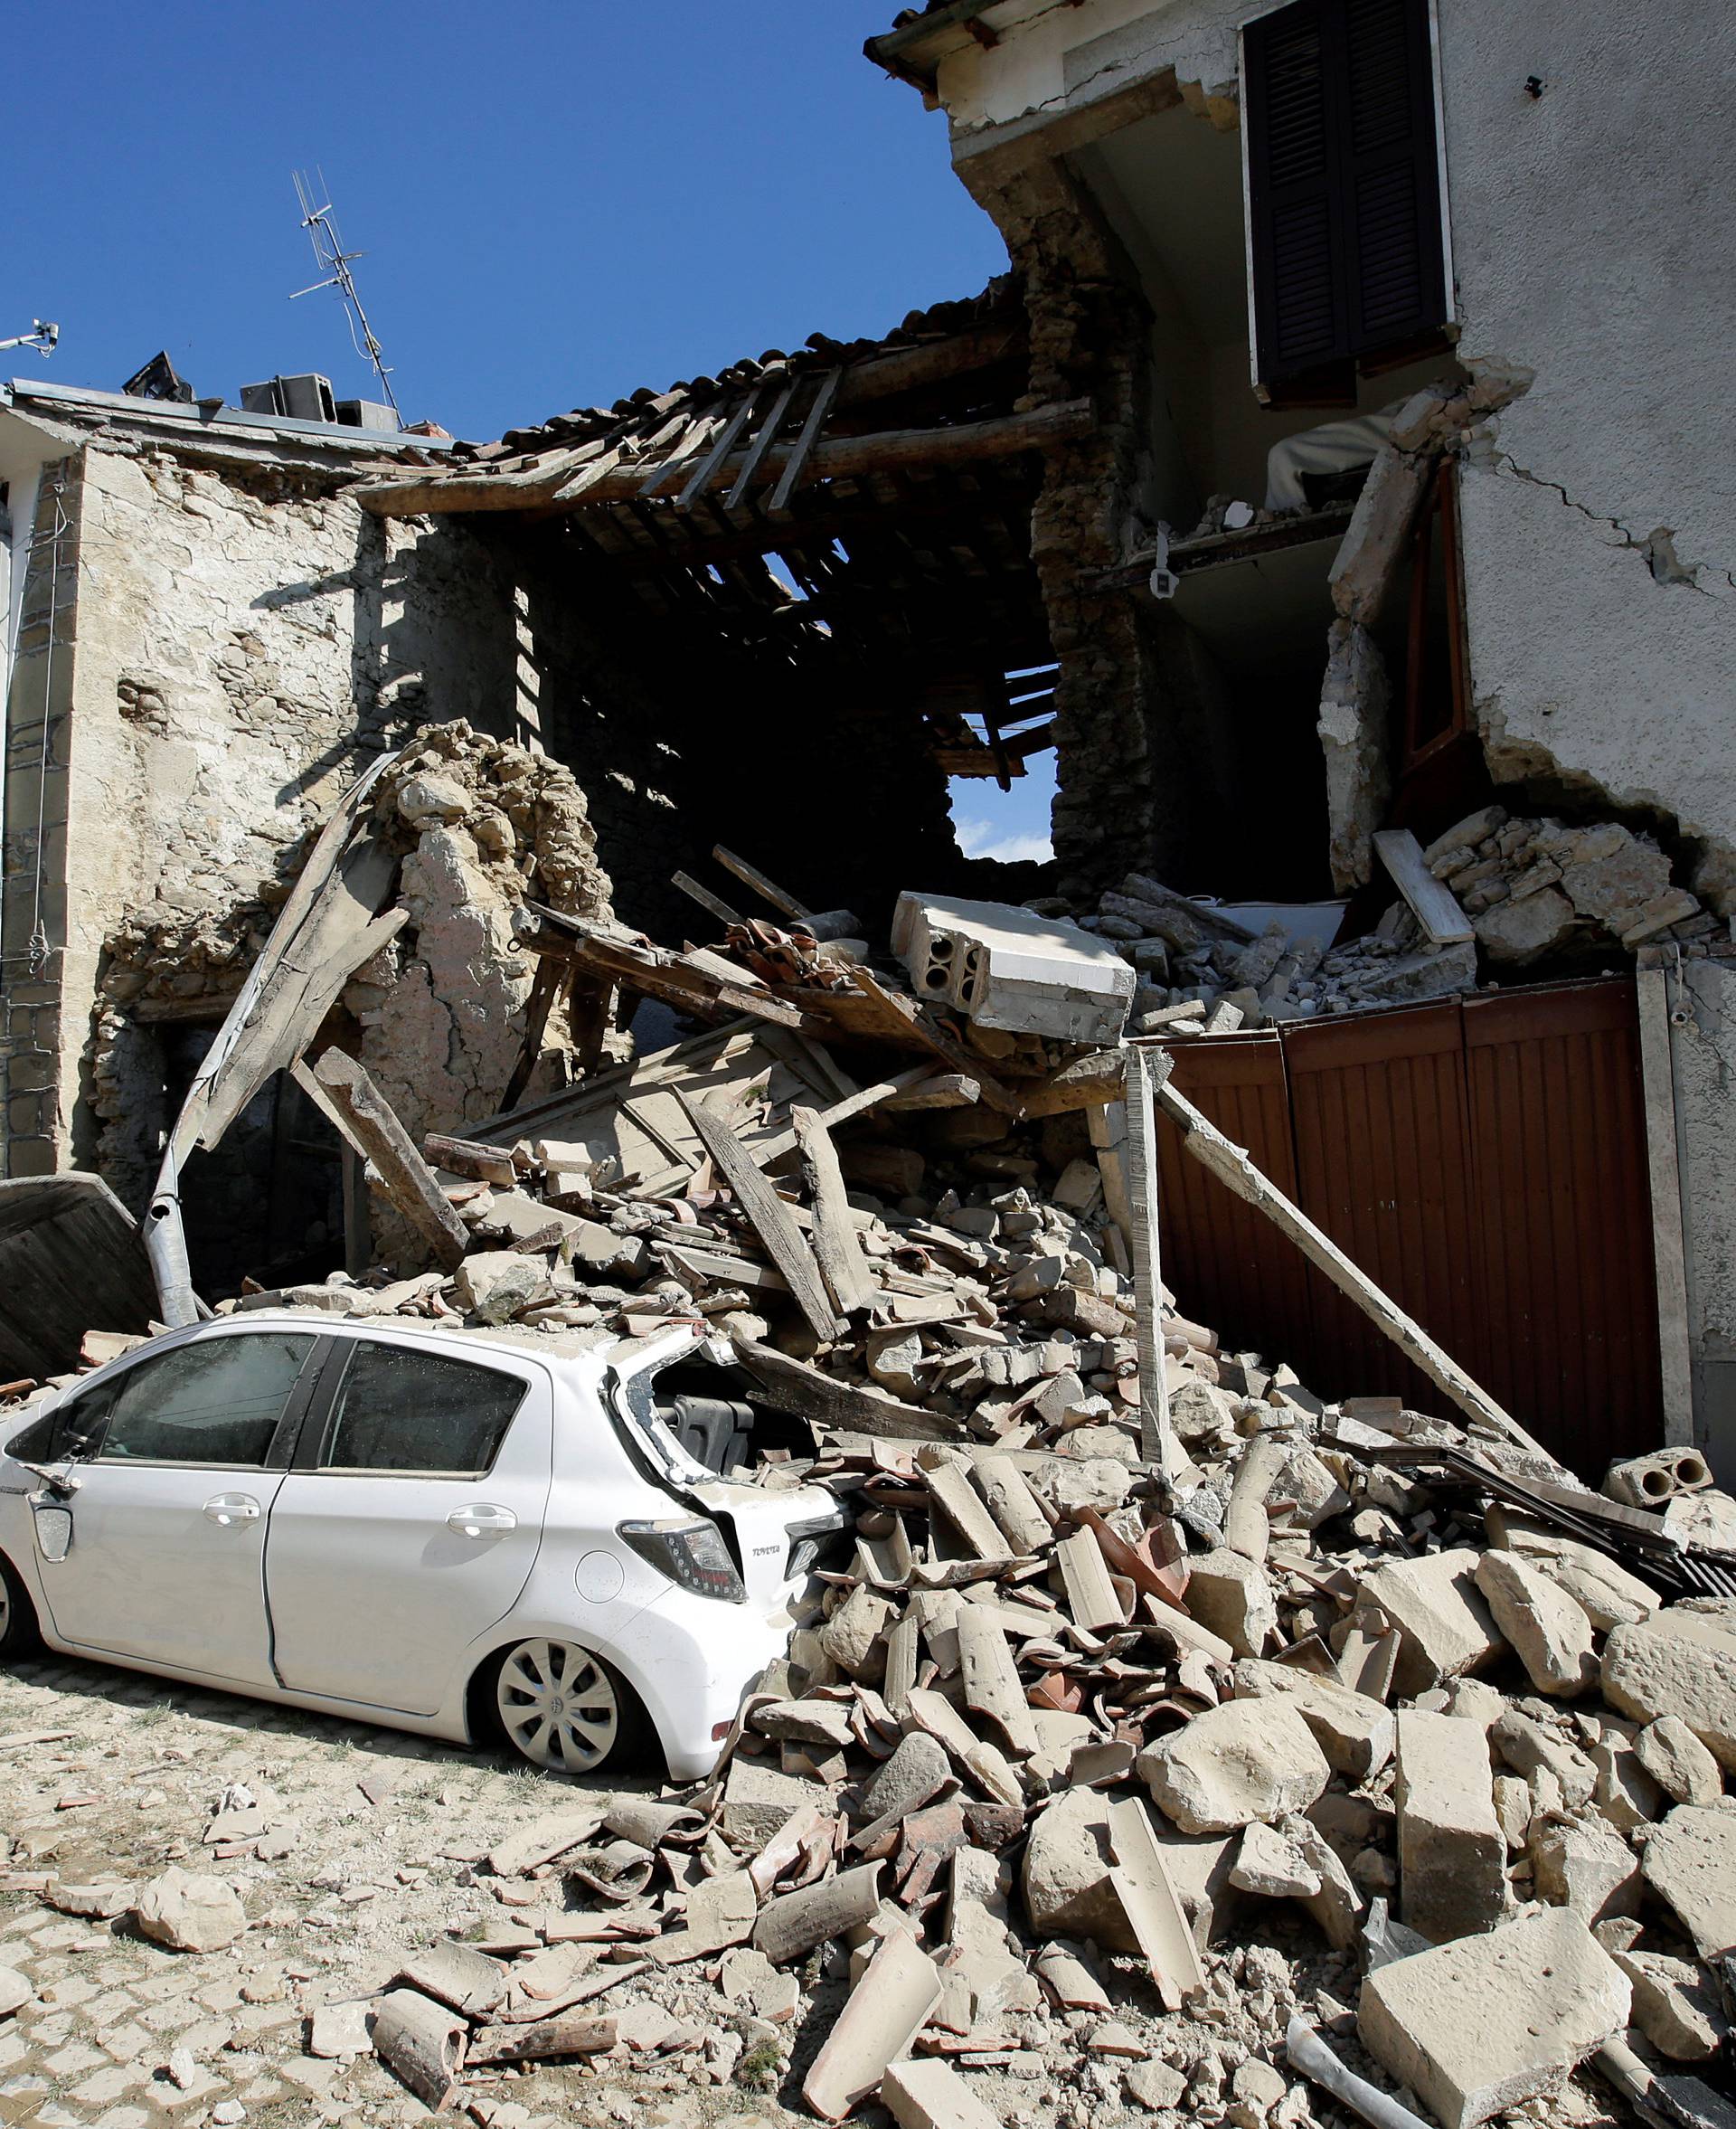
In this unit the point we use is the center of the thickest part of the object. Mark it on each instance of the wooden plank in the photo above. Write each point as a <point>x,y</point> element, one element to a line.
<point>784,1241</point>
<point>70,1256</point>
<point>719,451</point>
<point>763,442</point>
<point>780,898</point>
<point>1084,1083</point>
<point>837,1246</point>
<point>825,392</point>
<point>1657,1079</point>
<point>1158,1444</point>
<point>1433,902</point>
<point>713,904</point>
<point>793,1385</point>
<point>940,1090</point>
<point>404,1176</point>
<point>1230,1163</point>
<point>545,989</point>
<point>772,1150</point>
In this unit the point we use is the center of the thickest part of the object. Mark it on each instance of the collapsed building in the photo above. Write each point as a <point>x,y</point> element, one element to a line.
<point>1305,685</point>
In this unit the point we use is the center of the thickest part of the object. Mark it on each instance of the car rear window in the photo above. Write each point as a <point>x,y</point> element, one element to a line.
<point>399,1410</point>
<point>215,1402</point>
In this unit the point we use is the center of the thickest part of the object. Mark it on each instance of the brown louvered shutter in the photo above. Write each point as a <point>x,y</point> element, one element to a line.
<point>1343,185</point>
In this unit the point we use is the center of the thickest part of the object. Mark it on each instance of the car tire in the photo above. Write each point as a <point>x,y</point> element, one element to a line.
<point>19,1634</point>
<point>563,1707</point>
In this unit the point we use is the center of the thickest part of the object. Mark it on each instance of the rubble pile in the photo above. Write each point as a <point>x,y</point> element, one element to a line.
<point>1530,888</point>
<point>1080,1783</point>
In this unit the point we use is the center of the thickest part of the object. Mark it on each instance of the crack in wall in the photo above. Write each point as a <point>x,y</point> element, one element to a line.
<point>1657,546</point>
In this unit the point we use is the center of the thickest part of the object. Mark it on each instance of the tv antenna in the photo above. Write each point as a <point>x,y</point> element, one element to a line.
<point>43,339</point>
<point>321,225</point>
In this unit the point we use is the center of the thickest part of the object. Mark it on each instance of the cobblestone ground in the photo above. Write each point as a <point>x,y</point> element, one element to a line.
<point>380,1830</point>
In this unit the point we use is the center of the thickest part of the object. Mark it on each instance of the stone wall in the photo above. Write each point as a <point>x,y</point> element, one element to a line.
<point>234,644</point>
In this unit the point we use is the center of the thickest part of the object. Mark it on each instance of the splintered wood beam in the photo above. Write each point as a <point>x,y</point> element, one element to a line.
<point>936,362</point>
<point>904,1020</point>
<point>1230,1163</point>
<point>837,457</point>
<point>372,1125</point>
<point>784,1241</point>
<point>837,1244</point>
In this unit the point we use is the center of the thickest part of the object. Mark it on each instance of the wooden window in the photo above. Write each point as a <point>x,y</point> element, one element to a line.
<point>1343,187</point>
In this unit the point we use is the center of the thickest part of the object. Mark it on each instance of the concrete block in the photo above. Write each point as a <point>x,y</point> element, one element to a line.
<point>1479,2026</point>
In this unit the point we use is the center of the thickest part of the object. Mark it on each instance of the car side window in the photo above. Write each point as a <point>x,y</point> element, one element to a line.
<point>218,1401</point>
<point>419,1413</point>
<point>68,1430</point>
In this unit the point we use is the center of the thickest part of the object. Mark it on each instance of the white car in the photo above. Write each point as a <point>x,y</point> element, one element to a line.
<point>443,1531</point>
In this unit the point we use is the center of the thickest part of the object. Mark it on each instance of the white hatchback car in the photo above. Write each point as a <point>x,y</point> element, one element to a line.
<point>443,1531</point>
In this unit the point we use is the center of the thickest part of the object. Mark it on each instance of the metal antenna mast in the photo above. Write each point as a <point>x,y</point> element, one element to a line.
<point>321,225</point>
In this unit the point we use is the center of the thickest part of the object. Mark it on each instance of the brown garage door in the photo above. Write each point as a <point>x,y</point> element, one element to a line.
<point>1484,1160</point>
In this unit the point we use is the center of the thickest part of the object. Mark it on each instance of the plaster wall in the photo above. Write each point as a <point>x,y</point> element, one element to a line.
<point>1592,232</point>
<point>1589,230</point>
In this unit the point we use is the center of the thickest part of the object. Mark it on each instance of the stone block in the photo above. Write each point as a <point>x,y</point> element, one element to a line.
<point>1690,1862</point>
<point>1679,1663</point>
<point>1674,2006</point>
<point>1678,1762</point>
<point>1444,1626</point>
<point>1237,1762</point>
<point>1547,1629</point>
<point>1586,1866</point>
<point>1452,1853</point>
<point>1479,2026</point>
<point>1513,935</point>
<point>1354,1731</point>
<point>1233,1597</point>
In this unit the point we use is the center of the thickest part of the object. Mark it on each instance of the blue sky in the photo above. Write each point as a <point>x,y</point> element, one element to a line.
<point>557,203</point>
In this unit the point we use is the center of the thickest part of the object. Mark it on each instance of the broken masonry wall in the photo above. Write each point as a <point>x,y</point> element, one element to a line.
<point>245,639</point>
<point>1598,539</point>
<point>32,889</point>
<point>1587,244</point>
<point>483,825</point>
<point>1089,337</point>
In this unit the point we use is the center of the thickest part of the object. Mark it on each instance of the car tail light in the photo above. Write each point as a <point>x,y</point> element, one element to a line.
<point>689,1550</point>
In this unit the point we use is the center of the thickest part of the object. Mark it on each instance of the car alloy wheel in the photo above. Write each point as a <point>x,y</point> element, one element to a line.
<point>559,1706</point>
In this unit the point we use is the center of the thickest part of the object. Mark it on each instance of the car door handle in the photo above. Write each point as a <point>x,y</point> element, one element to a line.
<point>231,1508</point>
<point>479,1519</point>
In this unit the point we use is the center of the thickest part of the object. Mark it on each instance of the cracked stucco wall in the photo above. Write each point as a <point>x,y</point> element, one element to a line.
<point>1602,656</point>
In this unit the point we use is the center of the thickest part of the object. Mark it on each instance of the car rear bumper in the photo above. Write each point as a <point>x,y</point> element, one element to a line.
<point>692,1660</point>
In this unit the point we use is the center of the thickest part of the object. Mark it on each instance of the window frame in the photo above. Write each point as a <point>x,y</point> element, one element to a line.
<point>1306,389</point>
<point>283,1434</point>
<point>313,1440</point>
